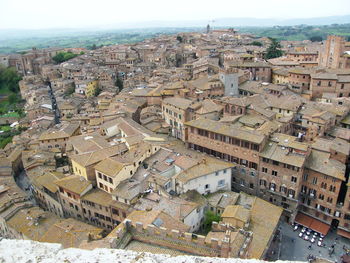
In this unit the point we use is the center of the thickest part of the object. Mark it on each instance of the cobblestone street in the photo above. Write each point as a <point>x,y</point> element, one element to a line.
<point>298,249</point>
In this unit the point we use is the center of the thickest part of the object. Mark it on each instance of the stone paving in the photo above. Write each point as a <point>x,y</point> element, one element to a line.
<point>295,248</point>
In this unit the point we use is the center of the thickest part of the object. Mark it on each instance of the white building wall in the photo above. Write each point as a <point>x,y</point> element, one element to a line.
<point>210,183</point>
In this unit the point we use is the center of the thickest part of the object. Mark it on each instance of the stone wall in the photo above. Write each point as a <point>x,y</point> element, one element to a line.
<point>183,241</point>
<point>18,251</point>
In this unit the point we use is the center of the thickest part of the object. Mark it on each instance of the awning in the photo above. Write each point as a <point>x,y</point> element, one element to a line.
<point>303,220</point>
<point>312,223</point>
<point>343,233</point>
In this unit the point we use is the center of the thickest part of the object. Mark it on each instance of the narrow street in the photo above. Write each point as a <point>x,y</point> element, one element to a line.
<point>23,182</point>
<point>53,103</point>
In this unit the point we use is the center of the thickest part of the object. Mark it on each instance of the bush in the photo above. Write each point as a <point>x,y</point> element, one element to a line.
<point>69,91</point>
<point>209,218</point>
<point>256,43</point>
<point>274,50</point>
<point>63,56</point>
<point>316,38</point>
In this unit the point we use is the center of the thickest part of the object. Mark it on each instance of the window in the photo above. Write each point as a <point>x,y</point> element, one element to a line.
<point>221,183</point>
<point>115,211</point>
<point>99,175</point>
<point>275,163</point>
<point>305,176</point>
<point>291,193</point>
<point>303,189</point>
<point>314,180</point>
<point>264,170</point>
<point>321,197</point>
<point>110,180</point>
<point>283,189</point>
<point>274,173</point>
<point>332,188</point>
<point>245,144</point>
<point>272,187</point>
<point>265,160</point>
<point>262,182</point>
<point>312,192</point>
<point>330,200</point>
<point>255,147</point>
<point>207,186</point>
<point>241,182</point>
<point>294,179</point>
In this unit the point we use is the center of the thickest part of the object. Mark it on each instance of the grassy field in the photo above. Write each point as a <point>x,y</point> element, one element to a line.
<point>111,37</point>
<point>5,128</point>
<point>301,32</point>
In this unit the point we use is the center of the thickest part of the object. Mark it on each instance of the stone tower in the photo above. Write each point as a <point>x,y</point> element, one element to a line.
<point>229,77</point>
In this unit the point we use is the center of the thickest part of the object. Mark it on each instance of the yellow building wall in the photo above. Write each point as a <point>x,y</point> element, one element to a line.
<point>91,88</point>
<point>79,170</point>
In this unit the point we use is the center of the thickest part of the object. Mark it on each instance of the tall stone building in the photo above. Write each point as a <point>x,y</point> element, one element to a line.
<point>335,53</point>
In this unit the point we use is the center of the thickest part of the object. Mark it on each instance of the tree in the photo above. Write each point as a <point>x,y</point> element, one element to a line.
<point>97,91</point>
<point>13,99</point>
<point>316,38</point>
<point>69,91</point>
<point>256,43</point>
<point>63,56</point>
<point>179,38</point>
<point>274,50</point>
<point>9,79</point>
<point>119,83</point>
<point>209,218</point>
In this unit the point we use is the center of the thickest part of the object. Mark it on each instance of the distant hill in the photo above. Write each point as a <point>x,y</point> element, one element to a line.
<point>238,22</point>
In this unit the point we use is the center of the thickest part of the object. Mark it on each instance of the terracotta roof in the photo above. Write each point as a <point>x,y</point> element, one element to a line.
<point>70,233</point>
<point>98,196</point>
<point>225,129</point>
<point>321,162</point>
<point>263,226</point>
<point>74,183</point>
<point>206,166</point>
<point>91,158</point>
<point>158,219</point>
<point>236,211</point>
<point>110,167</point>
<point>178,102</point>
<point>47,180</point>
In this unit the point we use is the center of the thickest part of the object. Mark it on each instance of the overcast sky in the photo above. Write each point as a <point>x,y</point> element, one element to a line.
<point>37,14</point>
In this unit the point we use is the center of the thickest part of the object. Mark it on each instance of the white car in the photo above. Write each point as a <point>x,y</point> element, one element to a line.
<point>306,237</point>
<point>300,234</point>
<point>319,243</point>
<point>308,233</point>
<point>312,240</point>
<point>295,228</point>
<point>303,229</point>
